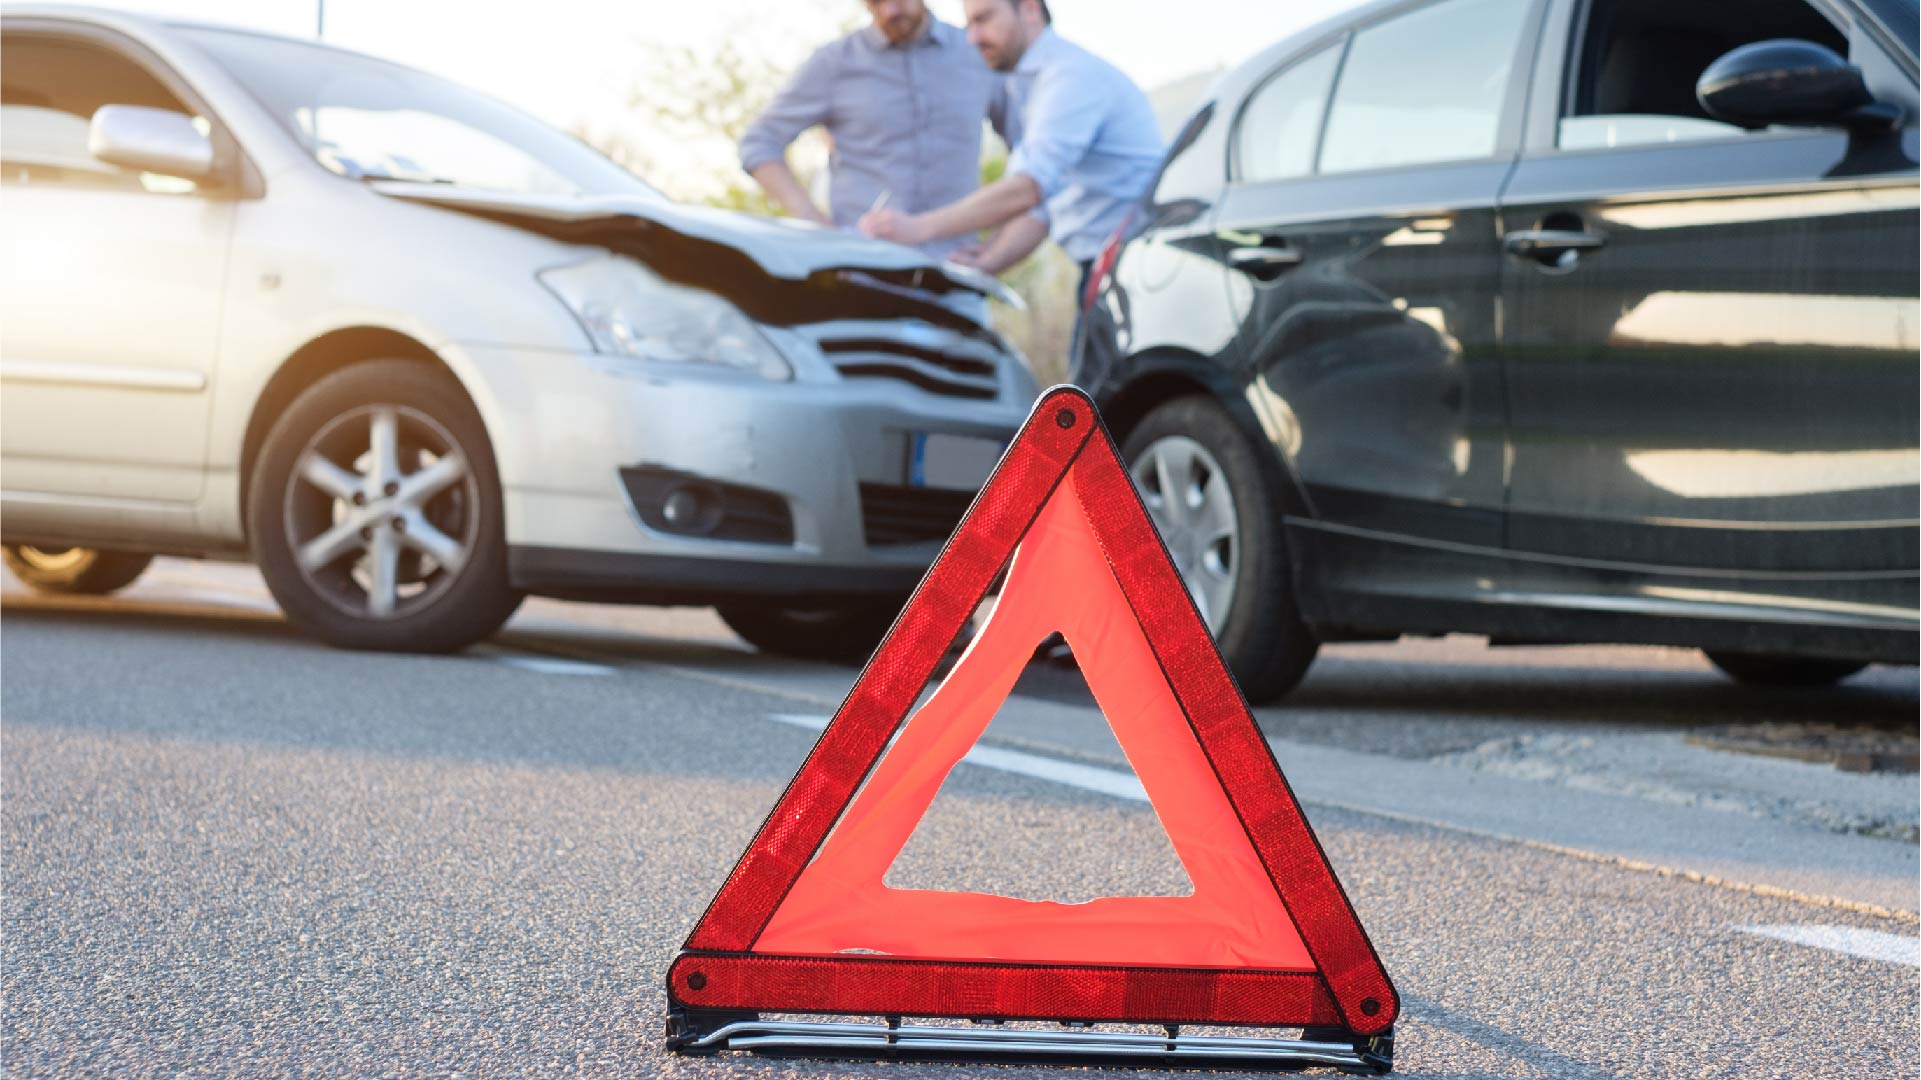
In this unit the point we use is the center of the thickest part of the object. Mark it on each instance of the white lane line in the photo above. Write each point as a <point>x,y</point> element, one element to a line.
<point>1872,944</point>
<point>1127,786</point>
<point>548,665</point>
<point>1086,777</point>
<point>751,686</point>
<point>1641,866</point>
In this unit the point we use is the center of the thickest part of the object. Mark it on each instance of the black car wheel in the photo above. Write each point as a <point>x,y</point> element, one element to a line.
<point>1202,483</point>
<point>74,571</point>
<point>846,634</point>
<point>376,515</point>
<point>1782,670</point>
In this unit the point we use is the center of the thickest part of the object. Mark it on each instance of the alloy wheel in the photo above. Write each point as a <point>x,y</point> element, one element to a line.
<point>381,512</point>
<point>1192,505</point>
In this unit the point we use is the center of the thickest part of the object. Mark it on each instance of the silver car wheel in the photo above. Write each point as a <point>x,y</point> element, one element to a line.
<point>1188,497</point>
<point>53,560</point>
<point>381,513</point>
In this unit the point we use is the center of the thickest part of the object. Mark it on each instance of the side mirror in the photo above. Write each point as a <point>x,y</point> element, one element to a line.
<point>1782,82</point>
<point>150,140</point>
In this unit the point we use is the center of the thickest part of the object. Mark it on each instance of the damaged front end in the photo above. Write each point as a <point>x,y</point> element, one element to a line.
<point>778,273</point>
<point>875,310</point>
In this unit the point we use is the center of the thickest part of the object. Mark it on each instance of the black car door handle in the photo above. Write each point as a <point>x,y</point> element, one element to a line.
<point>1263,258</point>
<point>1549,241</point>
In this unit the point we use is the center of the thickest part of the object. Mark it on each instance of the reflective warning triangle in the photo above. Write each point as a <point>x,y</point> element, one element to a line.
<point>804,923</point>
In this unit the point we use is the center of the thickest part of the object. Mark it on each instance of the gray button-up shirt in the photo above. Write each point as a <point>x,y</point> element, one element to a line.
<point>904,119</point>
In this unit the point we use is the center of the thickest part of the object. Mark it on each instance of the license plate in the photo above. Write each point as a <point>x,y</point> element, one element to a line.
<point>955,462</point>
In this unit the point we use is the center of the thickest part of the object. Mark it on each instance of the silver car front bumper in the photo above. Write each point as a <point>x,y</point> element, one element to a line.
<point>573,431</point>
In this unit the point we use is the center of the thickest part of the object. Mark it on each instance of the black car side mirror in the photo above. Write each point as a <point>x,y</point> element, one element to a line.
<point>1787,81</point>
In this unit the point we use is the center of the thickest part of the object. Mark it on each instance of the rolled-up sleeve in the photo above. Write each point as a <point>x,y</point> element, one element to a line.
<point>1060,124</point>
<point>805,101</point>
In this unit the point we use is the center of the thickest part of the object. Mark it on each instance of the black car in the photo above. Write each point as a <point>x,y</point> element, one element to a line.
<point>1550,320</point>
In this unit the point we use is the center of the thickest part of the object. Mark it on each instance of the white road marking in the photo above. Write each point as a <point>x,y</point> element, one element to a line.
<point>548,665</point>
<point>1113,782</point>
<point>1872,944</point>
<point>1127,786</point>
<point>1679,873</point>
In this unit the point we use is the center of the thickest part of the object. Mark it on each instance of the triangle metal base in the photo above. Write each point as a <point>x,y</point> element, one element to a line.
<point>698,1031</point>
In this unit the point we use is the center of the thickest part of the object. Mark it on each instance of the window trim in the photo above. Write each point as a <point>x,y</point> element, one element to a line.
<point>1573,58</point>
<point>1511,126</point>
<point>235,176</point>
<point>1237,168</point>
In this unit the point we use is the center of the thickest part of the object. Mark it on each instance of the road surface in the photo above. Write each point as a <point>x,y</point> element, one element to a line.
<point>229,851</point>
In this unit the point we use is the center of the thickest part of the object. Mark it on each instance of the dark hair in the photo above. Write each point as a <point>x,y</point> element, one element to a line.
<point>1047,17</point>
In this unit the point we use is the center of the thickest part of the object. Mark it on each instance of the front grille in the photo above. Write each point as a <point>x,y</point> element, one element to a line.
<point>933,370</point>
<point>957,365</point>
<point>909,515</point>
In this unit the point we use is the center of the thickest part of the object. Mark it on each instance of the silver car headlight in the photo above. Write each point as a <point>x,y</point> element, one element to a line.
<point>628,310</point>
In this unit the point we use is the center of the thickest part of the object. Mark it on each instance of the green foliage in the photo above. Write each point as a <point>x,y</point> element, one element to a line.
<point>1046,280</point>
<point>1045,331</point>
<point>689,97</point>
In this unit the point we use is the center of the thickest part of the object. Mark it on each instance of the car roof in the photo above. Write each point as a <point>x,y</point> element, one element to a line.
<point>1258,65</point>
<point>144,25</point>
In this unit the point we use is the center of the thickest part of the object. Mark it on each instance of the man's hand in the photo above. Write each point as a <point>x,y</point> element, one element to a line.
<point>1010,244</point>
<point>890,224</point>
<point>779,182</point>
<point>967,254</point>
<point>990,207</point>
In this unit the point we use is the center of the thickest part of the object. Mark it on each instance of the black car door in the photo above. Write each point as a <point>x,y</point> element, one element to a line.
<point>1360,215</point>
<point>1710,332</point>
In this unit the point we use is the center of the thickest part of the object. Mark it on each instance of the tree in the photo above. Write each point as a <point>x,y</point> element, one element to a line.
<point>691,104</point>
<point>691,97</point>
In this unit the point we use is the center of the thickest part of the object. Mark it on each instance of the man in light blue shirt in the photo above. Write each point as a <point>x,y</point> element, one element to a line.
<point>902,99</point>
<point>1085,148</point>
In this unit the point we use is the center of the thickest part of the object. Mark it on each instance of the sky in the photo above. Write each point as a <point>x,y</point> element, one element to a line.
<point>576,63</point>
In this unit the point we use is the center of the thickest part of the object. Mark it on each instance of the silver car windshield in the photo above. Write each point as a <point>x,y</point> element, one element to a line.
<point>372,120</point>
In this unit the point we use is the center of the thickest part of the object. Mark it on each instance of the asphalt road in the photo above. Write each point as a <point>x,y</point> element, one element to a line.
<point>231,852</point>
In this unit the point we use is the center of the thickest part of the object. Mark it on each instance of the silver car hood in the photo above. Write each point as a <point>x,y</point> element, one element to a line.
<point>782,247</point>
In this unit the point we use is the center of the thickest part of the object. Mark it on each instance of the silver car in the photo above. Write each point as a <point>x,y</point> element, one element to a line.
<point>417,355</point>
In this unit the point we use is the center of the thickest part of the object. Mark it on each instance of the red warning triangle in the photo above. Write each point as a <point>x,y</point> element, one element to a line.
<point>804,922</point>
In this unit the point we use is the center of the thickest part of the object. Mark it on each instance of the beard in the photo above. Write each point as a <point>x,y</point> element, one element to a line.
<point>1000,58</point>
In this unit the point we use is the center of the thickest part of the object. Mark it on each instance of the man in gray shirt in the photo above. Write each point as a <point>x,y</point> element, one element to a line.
<point>1085,148</point>
<point>902,100</point>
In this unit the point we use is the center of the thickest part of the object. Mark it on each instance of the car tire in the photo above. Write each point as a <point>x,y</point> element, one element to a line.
<point>74,571</point>
<point>1224,533</point>
<point>846,634</point>
<point>375,512</point>
<point>1782,671</point>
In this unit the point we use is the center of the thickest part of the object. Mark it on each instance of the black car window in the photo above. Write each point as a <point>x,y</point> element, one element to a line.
<point>1425,86</point>
<point>1638,61</point>
<point>1282,121</point>
<point>49,91</point>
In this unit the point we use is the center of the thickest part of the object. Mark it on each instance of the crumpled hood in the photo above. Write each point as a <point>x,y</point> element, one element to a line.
<point>781,247</point>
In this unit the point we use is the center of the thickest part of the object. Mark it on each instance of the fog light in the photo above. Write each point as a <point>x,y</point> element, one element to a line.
<point>692,508</point>
<point>681,504</point>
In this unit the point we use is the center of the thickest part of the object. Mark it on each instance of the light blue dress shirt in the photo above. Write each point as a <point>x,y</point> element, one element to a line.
<point>905,119</point>
<point>1086,136</point>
